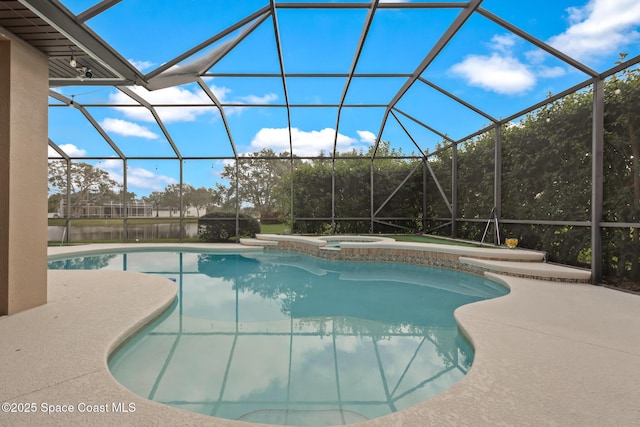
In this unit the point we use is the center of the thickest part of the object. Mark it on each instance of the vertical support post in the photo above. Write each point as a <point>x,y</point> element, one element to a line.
<point>237,185</point>
<point>454,191</point>
<point>125,229</point>
<point>333,195</point>
<point>67,223</point>
<point>597,180</point>
<point>371,194</point>
<point>292,170</point>
<point>181,215</point>
<point>424,194</point>
<point>497,182</point>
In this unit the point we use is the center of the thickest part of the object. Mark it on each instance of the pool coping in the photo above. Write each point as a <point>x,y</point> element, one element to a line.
<point>546,354</point>
<point>475,260</point>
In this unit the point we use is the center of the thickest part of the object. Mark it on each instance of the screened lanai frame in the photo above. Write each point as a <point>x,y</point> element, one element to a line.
<point>110,69</point>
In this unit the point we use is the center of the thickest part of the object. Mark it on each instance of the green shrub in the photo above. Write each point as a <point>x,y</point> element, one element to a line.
<point>221,226</point>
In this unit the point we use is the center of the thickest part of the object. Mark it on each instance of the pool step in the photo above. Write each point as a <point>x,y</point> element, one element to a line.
<point>257,242</point>
<point>534,270</point>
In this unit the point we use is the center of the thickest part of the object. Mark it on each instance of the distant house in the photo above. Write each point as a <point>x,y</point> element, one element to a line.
<point>167,212</point>
<point>135,209</point>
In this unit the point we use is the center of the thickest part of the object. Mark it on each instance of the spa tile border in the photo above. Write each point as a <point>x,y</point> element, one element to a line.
<point>439,256</point>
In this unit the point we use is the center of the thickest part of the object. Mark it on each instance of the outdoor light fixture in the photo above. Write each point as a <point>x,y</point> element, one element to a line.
<point>71,102</point>
<point>72,62</point>
<point>548,119</point>
<point>86,72</point>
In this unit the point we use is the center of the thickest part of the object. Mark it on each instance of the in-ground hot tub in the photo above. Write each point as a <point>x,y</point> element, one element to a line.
<point>335,241</point>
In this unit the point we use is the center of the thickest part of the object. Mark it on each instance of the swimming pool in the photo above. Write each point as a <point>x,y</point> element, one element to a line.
<point>281,338</point>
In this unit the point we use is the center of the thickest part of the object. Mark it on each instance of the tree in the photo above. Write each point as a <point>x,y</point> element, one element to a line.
<point>54,202</point>
<point>353,193</point>
<point>311,195</point>
<point>154,199</point>
<point>312,192</point>
<point>204,198</point>
<point>87,183</point>
<point>436,205</point>
<point>171,197</point>
<point>258,176</point>
<point>187,197</point>
<point>225,196</point>
<point>390,198</point>
<point>129,197</point>
<point>546,175</point>
<point>621,246</point>
<point>475,181</point>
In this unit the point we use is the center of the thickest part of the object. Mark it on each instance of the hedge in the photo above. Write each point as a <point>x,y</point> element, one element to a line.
<point>221,226</point>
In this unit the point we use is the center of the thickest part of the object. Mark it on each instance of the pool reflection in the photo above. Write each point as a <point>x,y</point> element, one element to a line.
<point>283,339</point>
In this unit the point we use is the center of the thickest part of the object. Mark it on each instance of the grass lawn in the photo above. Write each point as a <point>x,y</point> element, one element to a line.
<point>279,229</point>
<point>431,239</point>
<point>273,228</point>
<point>264,228</point>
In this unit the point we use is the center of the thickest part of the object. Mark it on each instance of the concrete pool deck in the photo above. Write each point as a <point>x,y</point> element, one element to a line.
<point>549,353</point>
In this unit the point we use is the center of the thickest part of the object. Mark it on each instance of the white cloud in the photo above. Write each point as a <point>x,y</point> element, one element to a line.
<point>255,99</point>
<point>599,28</point>
<point>550,72</point>
<point>501,71</point>
<point>53,153</point>
<point>137,178</point>
<point>535,56</point>
<point>182,96</point>
<point>366,136</point>
<point>141,65</point>
<point>111,164</point>
<point>146,180</point>
<point>250,99</point>
<point>501,74</point>
<point>125,128</point>
<point>602,27</point>
<point>168,96</point>
<point>503,42</point>
<point>536,59</point>
<point>70,149</point>
<point>304,143</point>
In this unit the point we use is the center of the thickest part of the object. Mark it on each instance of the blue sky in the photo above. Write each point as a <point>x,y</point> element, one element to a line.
<point>484,65</point>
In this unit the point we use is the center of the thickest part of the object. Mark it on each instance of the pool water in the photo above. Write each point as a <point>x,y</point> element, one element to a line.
<point>282,338</point>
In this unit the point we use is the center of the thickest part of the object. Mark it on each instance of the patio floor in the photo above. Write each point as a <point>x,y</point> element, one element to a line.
<point>549,353</point>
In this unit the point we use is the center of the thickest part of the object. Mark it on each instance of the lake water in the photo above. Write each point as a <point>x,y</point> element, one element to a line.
<point>115,232</point>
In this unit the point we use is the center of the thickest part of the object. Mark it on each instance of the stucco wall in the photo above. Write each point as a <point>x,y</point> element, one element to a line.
<point>23,175</point>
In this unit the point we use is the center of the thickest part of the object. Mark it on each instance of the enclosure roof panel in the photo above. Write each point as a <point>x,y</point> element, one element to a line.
<point>226,78</point>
